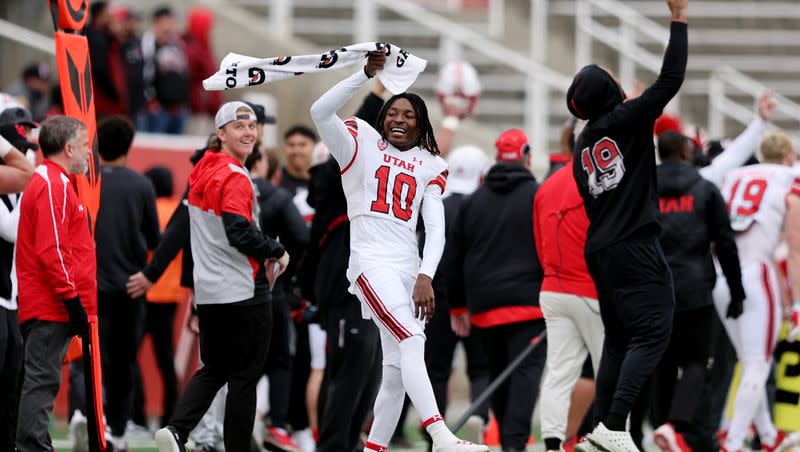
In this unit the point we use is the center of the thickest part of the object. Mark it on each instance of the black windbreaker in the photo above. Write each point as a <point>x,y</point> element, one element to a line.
<point>490,254</point>
<point>281,220</point>
<point>693,217</point>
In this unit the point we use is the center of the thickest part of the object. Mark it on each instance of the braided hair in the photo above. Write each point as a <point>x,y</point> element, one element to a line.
<point>425,137</point>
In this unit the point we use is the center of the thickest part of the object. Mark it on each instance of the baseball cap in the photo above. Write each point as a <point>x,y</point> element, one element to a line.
<point>227,113</point>
<point>261,113</point>
<point>668,123</point>
<point>17,115</point>
<point>511,145</point>
<point>38,70</point>
<point>466,165</point>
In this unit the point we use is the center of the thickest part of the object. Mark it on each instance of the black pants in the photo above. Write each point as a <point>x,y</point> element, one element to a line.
<point>279,363</point>
<point>11,357</point>
<point>352,375</point>
<point>513,401</point>
<point>121,322</point>
<point>297,415</point>
<point>45,348</point>
<point>159,323</point>
<point>634,287</point>
<point>439,349</point>
<point>234,340</point>
<point>715,391</point>
<point>676,399</point>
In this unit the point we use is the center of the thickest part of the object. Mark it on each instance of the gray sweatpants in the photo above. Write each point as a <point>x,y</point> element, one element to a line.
<point>45,346</point>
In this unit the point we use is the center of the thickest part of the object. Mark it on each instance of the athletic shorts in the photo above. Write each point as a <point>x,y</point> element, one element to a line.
<point>317,339</point>
<point>385,296</point>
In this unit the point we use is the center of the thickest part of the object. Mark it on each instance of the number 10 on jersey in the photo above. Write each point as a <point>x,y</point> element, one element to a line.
<point>401,205</point>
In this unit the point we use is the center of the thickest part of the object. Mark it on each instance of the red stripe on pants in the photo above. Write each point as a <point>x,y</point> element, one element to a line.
<point>379,309</point>
<point>770,310</point>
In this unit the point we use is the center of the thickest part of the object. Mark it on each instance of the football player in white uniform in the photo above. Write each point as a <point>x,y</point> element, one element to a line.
<point>390,176</point>
<point>764,201</point>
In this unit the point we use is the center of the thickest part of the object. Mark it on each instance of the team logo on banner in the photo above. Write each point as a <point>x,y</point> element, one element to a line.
<point>281,60</point>
<point>75,78</point>
<point>69,14</point>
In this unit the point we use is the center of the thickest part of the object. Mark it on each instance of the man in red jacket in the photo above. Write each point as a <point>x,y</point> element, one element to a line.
<point>568,298</point>
<point>56,269</point>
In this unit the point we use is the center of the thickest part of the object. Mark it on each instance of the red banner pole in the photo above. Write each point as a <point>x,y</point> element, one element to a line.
<point>75,80</point>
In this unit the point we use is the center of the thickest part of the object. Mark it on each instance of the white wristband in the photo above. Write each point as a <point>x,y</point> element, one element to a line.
<point>451,122</point>
<point>5,147</point>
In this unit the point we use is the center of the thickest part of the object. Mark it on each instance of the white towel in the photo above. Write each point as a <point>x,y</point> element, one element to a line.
<point>240,71</point>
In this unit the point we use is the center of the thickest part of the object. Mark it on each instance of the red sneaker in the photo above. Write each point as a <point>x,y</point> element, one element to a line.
<point>783,442</point>
<point>278,440</point>
<point>668,440</point>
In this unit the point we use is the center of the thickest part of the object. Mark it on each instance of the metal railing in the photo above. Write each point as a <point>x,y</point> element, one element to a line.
<point>633,29</point>
<point>721,105</point>
<point>29,38</point>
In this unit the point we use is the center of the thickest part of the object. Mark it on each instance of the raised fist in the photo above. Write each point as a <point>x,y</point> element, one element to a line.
<point>678,9</point>
<point>375,61</point>
<point>766,105</point>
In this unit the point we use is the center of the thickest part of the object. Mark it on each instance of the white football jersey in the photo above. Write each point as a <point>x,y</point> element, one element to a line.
<point>384,188</point>
<point>756,197</point>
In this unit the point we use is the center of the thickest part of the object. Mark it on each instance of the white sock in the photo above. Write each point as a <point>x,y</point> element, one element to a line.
<point>763,422</point>
<point>419,389</point>
<point>388,405</point>
<point>748,398</point>
<point>438,430</point>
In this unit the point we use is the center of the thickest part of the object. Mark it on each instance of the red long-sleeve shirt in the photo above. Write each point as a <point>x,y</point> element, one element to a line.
<point>55,255</point>
<point>560,225</point>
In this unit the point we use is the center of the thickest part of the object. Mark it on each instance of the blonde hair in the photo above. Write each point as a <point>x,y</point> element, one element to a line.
<point>775,146</point>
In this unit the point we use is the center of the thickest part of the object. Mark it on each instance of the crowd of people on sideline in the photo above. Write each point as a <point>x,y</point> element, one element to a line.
<point>619,291</point>
<point>151,76</point>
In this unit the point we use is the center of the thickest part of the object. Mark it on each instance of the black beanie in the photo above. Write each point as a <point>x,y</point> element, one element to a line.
<point>593,92</point>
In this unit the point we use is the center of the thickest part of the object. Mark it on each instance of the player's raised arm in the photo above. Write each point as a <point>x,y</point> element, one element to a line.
<point>737,153</point>
<point>673,69</point>
<point>333,131</point>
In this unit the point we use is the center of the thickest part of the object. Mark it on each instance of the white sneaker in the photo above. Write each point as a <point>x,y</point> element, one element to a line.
<point>459,445</point>
<point>611,441</point>
<point>474,428</point>
<point>78,432</point>
<point>167,440</point>
<point>585,446</point>
<point>137,433</point>
<point>119,444</point>
<point>304,440</point>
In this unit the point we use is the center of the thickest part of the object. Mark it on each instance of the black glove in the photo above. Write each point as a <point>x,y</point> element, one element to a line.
<point>736,308</point>
<point>78,320</point>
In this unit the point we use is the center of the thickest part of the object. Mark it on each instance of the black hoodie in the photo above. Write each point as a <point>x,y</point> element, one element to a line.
<point>490,252</point>
<point>693,217</point>
<point>616,176</point>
